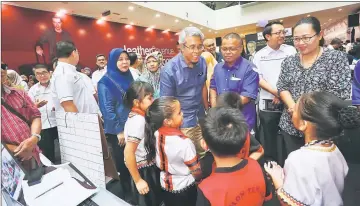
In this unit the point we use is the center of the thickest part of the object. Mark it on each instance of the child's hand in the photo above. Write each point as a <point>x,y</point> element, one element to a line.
<point>276,173</point>
<point>142,187</point>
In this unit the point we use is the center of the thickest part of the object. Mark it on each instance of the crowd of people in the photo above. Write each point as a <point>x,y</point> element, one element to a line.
<point>208,127</point>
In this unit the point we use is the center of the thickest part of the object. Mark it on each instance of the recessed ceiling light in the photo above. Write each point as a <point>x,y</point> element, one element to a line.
<point>131,8</point>
<point>308,15</point>
<point>131,23</point>
<point>157,15</point>
<point>128,26</point>
<point>152,27</point>
<point>281,20</point>
<point>190,24</point>
<point>340,9</point>
<point>176,20</point>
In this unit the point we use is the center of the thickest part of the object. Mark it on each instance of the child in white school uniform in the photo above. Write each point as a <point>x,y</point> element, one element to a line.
<point>145,184</point>
<point>174,153</point>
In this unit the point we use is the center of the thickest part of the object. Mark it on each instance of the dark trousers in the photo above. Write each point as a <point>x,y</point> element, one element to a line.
<point>292,142</point>
<point>186,197</point>
<point>269,129</point>
<point>117,153</point>
<point>47,144</point>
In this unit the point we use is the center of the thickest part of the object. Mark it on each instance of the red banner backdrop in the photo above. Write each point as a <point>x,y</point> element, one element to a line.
<point>22,28</point>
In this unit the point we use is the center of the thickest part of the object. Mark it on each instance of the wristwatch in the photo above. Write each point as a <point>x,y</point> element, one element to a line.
<point>37,135</point>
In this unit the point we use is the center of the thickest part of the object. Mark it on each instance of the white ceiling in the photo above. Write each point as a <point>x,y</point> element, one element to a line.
<point>145,17</point>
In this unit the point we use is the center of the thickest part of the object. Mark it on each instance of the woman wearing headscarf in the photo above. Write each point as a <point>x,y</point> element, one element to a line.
<point>16,81</point>
<point>151,74</point>
<point>112,88</point>
<point>210,62</point>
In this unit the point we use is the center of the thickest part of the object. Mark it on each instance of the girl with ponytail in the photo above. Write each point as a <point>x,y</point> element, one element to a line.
<point>173,152</point>
<point>145,176</point>
<point>315,173</point>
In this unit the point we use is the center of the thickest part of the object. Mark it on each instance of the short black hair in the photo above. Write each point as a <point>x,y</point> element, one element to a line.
<point>132,57</point>
<point>54,61</point>
<point>224,131</point>
<point>40,66</point>
<point>229,99</point>
<point>233,36</point>
<point>137,90</point>
<point>64,49</point>
<point>100,55</point>
<point>268,28</point>
<point>336,41</point>
<point>56,17</point>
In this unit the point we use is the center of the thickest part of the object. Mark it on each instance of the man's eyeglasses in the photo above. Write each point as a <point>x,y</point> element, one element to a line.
<point>232,49</point>
<point>280,32</point>
<point>194,48</point>
<point>305,39</point>
<point>42,74</point>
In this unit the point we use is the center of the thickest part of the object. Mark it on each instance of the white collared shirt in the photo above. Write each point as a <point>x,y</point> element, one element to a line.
<point>97,75</point>
<point>69,85</point>
<point>268,63</point>
<point>38,93</point>
<point>135,73</point>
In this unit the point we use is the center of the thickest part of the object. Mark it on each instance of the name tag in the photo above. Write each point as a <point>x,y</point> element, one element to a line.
<point>235,79</point>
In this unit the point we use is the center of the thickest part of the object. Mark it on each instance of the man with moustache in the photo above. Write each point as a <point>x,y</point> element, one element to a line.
<point>209,45</point>
<point>268,63</point>
<point>236,74</point>
<point>184,77</point>
<point>101,69</point>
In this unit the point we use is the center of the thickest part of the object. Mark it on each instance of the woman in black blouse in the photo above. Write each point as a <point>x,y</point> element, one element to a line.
<point>314,68</point>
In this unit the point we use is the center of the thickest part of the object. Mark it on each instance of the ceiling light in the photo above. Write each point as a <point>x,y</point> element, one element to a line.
<point>108,35</point>
<point>324,23</point>
<point>149,29</point>
<point>330,19</point>
<point>101,20</point>
<point>340,9</point>
<point>152,27</point>
<point>176,20</point>
<point>190,24</point>
<point>157,15</point>
<point>308,15</point>
<point>131,8</point>
<point>281,20</point>
<point>209,30</point>
<point>165,31</point>
<point>216,32</point>
<point>131,23</point>
<point>60,13</point>
<point>128,26</point>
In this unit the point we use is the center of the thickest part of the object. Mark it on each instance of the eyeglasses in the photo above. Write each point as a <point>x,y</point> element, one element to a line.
<point>280,32</point>
<point>194,48</point>
<point>42,74</point>
<point>232,49</point>
<point>305,39</point>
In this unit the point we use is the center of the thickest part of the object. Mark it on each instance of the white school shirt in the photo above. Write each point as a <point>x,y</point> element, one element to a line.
<point>135,73</point>
<point>173,152</point>
<point>88,82</point>
<point>315,176</point>
<point>39,92</point>
<point>268,63</point>
<point>134,132</point>
<point>68,84</point>
<point>97,75</point>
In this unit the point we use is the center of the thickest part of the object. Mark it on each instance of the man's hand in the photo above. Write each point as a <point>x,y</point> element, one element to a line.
<point>39,50</point>
<point>24,150</point>
<point>121,139</point>
<point>39,103</point>
<point>276,100</point>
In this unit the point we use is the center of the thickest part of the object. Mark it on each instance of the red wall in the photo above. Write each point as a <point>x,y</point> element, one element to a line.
<point>21,28</point>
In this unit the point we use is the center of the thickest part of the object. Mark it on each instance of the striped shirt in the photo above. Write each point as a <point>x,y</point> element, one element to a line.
<point>13,129</point>
<point>176,157</point>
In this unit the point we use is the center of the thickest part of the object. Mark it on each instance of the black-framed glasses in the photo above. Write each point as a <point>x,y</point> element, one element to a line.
<point>41,73</point>
<point>193,48</point>
<point>305,39</point>
<point>280,32</point>
<point>232,49</point>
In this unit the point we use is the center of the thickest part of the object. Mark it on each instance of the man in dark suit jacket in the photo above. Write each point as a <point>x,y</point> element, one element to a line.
<point>52,36</point>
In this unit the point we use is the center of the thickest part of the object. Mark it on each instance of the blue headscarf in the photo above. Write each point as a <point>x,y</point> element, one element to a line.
<point>117,77</point>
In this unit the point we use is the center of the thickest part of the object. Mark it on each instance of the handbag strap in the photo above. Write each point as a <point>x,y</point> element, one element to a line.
<point>12,110</point>
<point>117,86</point>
